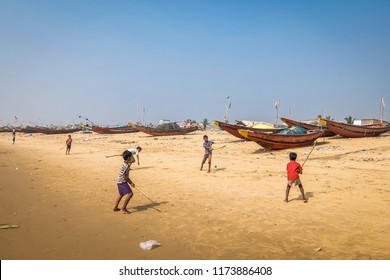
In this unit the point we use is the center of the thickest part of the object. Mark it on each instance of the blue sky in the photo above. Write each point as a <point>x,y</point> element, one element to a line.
<point>180,59</point>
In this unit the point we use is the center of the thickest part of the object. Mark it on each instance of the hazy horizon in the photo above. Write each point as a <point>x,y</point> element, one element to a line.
<point>109,60</point>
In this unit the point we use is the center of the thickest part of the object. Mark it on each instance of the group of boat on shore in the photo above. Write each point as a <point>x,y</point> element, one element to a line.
<point>275,138</point>
<point>293,134</point>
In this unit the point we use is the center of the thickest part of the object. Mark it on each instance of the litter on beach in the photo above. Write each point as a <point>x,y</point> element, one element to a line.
<point>8,226</point>
<point>149,245</point>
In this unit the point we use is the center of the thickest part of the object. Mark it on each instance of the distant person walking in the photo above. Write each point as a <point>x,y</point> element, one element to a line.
<point>13,136</point>
<point>123,180</point>
<point>208,151</point>
<point>68,144</point>
<point>293,171</point>
<point>134,152</point>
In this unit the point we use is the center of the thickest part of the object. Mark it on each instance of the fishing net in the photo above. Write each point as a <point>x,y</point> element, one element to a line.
<point>295,130</point>
<point>168,126</point>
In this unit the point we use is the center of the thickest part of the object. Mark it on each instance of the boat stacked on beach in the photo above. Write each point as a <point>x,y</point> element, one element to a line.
<point>114,130</point>
<point>299,134</point>
<point>286,139</point>
<point>315,126</point>
<point>166,129</point>
<point>270,136</point>
<point>356,131</point>
<point>233,129</point>
<point>47,130</point>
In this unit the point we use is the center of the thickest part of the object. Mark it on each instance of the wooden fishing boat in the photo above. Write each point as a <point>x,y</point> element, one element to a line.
<point>327,132</point>
<point>6,129</point>
<point>165,132</point>
<point>356,131</point>
<point>45,130</point>
<point>281,141</point>
<point>29,129</point>
<point>233,129</point>
<point>114,130</point>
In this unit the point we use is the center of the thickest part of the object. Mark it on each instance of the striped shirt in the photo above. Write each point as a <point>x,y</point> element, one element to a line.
<point>207,147</point>
<point>124,171</point>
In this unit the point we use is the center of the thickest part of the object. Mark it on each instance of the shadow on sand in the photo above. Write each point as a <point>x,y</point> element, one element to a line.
<point>268,151</point>
<point>147,206</point>
<point>307,194</point>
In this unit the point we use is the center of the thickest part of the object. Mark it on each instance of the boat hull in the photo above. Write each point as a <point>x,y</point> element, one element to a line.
<point>35,129</point>
<point>279,141</point>
<point>162,132</point>
<point>327,132</point>
<point>110,130</point>
<point>233,129</point>
<point>356,131</point>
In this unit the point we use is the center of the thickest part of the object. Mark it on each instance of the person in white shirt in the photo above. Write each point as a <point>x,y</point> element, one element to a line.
<point>135,152</point>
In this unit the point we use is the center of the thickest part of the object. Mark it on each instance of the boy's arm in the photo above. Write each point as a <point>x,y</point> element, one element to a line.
<point>127,178</point>
<point>138,159</point>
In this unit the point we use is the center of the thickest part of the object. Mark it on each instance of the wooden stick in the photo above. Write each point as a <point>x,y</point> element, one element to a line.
<point>315,142</point>
<point>143,193</point>
<point>219,148</point>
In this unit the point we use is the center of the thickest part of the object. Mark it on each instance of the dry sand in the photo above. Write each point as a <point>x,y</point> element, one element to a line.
<point>63,204</point>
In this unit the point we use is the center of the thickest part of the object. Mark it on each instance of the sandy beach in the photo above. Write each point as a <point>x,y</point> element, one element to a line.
<point>63,204</point>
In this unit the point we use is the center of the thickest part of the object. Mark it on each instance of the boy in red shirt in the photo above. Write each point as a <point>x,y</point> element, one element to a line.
<point>68,144</point>
<point>293,171</point>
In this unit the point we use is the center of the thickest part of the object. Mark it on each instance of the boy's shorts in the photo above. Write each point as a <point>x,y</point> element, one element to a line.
<point>124,188</point>
<point>296,182</point>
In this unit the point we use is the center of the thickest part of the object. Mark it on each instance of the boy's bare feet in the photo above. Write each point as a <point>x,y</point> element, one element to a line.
<point>125,211</point>
<point>305,201</point>
<point>286,200</point>
<point>117,209</point>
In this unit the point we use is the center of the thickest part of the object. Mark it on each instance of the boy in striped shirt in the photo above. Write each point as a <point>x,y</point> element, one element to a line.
<point>123,180</point>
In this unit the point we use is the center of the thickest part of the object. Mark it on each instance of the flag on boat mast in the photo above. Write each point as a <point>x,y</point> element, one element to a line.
<point>382,109</point>
<point>277,105</point>
<point>227,107</point>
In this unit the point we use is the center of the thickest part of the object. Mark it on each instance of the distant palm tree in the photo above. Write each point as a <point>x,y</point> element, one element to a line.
<point>205,123</point>
<point>349,119</point>
<point>326,118</point>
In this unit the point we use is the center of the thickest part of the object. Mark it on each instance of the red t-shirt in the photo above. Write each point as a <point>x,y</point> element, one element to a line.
<point>293,170</point>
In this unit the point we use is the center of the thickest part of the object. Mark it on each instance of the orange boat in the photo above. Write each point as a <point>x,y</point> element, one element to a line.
<point>281,141</point>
